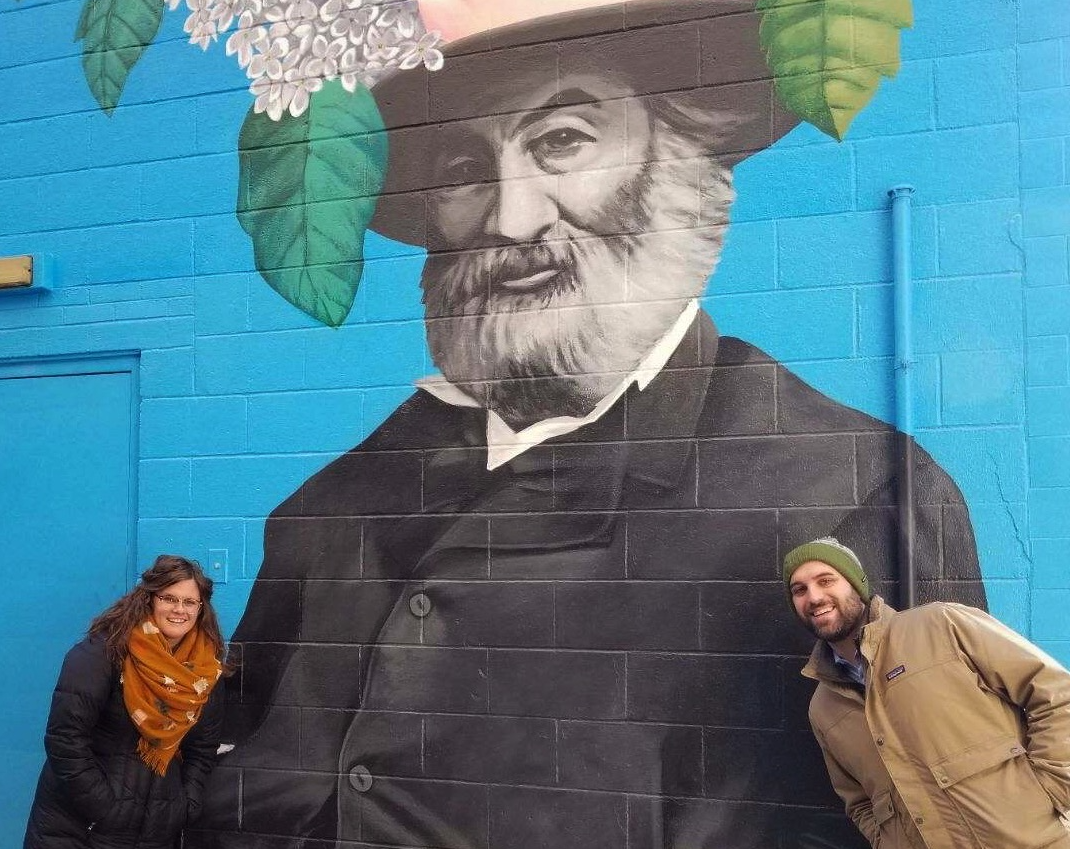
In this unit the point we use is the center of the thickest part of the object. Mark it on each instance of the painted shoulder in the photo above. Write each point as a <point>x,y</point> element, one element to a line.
<point>384,461</point>
<point>778,400</point>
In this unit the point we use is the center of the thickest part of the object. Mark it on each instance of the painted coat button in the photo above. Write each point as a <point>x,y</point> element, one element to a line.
<point>360,779</point>
<point>880,741</point>
<point>420,605</point>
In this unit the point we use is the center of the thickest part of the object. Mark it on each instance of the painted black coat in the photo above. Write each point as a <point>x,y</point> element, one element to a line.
<point>94,791</point>
<point>586,648</point>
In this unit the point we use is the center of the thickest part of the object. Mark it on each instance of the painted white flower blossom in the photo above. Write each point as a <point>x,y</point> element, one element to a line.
<point>323,62</point>
<point>407,22</point>
<point>289,48</point>
<point>381,44</point>
<point>301,12</point>
<point>299,89</point>
<point>302,17</point>
<point>329,10</point>
<point>388,15</point>
<point>349,69</point>
<point>201,29</point>
<point>268,94</point>
<point>222,14</point>
<point>199,25</point>
<point>353,23</point>
<point>269,63</point>
<point>246,39</point>
<point>425,52</point>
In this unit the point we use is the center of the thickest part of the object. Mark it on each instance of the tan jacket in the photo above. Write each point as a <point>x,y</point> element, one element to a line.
<point>961,738</point>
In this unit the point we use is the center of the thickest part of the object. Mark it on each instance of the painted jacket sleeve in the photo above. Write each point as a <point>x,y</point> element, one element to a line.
<point>1022,674</point>
<point>858,805</point>
<point>81,693</point>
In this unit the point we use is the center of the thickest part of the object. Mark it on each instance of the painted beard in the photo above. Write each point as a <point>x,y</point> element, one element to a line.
<point>602,302</point>
<point>847,614</point>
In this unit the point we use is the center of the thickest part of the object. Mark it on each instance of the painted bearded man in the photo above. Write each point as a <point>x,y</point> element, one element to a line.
<point>535,608</point>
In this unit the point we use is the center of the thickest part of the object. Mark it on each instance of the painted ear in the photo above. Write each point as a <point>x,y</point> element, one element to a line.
<point>308,187</point>
<point>114,34</point>
<point>827,56</point>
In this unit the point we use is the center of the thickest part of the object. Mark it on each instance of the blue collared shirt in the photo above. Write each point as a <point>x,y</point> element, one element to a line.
<point>856,672</point>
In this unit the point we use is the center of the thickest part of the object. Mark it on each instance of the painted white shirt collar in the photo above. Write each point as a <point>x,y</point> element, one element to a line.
<point>504,443</point>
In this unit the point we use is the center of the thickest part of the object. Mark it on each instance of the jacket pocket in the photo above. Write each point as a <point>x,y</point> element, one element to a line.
<point>966,764</point>
<point>997,795</point>
<point>883,809</point>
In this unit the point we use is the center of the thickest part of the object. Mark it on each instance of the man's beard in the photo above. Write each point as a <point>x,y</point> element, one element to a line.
<point>558,350</point>
<point>850,614</point>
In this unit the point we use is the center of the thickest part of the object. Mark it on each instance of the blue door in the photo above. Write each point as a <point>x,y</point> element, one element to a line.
<point>67,520</point>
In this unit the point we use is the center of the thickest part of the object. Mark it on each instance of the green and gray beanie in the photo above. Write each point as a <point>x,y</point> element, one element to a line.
<point>837,555</point>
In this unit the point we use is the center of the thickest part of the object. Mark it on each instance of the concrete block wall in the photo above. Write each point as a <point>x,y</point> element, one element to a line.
<point>824,300</point>
<point>149,258</point>
<point>244,397</point>
<point>1044,120</point>
<point>139,218</point>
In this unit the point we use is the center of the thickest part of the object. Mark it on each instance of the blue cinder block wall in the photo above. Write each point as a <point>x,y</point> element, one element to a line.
<point>242,396</point>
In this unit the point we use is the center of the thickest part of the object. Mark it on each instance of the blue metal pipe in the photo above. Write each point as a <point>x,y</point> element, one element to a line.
<point>902,276</point>
<point>903,319</point>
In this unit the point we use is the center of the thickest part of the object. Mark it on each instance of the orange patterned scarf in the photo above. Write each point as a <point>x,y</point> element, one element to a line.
<point>164,692</point>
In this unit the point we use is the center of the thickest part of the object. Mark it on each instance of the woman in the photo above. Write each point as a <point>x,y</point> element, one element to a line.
<point>135,718</point>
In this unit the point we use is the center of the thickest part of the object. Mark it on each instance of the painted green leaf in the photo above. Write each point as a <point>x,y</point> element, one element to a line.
<point>307,191</point>
<point>114,34</point>
<point>827,56</point>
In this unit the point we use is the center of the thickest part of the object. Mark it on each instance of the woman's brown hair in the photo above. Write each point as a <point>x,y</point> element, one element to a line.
<point>115,624</point>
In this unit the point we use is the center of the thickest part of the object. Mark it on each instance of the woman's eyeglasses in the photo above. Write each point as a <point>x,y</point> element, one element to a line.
<point>190,604</point>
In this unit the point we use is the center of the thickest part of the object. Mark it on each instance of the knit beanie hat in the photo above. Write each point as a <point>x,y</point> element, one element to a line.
<point>837,555</point>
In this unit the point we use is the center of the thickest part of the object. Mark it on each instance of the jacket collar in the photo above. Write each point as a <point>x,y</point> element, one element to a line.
<point>880,617</point>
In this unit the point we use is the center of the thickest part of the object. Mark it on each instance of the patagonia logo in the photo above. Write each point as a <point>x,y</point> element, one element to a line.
<point>895,673</point>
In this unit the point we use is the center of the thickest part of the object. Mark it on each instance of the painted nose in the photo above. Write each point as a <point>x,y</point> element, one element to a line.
<point>526,203</point>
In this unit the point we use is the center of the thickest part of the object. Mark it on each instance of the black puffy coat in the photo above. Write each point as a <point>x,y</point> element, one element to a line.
<point>95,792</point>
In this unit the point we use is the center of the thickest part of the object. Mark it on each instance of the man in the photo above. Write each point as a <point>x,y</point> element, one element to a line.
<point>941,727</point>
<point>534,608</point>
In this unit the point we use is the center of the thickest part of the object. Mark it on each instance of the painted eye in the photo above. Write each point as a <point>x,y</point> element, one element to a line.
<point>462,170</point>
<point>559,142</point>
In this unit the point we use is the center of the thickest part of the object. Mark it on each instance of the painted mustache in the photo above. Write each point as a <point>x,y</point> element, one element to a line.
<point>515,269</point>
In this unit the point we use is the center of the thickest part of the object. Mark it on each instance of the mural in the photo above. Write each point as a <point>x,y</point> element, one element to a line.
<point>313,154</point>
<point>539,606</point>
